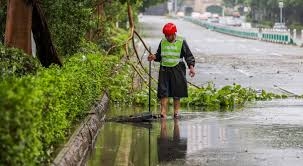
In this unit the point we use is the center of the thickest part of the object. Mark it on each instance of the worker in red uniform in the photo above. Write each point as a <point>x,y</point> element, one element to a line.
<point>172,52</point>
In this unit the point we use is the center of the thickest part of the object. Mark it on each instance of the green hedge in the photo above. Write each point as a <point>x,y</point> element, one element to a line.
<point>20,122</point>
<point>37,110</point>
<point>14,62</point>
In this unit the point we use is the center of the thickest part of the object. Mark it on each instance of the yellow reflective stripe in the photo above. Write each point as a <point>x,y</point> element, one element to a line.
<point>172,60</point>
<point>167,64</point>
<point>172,54</point>
<point>171,47</point>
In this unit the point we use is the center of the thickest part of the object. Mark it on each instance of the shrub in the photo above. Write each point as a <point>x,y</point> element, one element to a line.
<point>20,122</point>
<point>228,97</point>
<point>38,110</point>
<point>16,62</point>
<point>297,26</point>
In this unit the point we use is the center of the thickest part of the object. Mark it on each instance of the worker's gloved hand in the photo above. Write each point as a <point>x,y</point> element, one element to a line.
<point>192,71</point>
<point>151,57</point>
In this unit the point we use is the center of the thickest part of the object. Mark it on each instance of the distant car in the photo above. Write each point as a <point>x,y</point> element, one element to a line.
<point>238,22</point>
<point>246,25</point>
<point>195,15</point>
<point>280,26</point>
<point>180,14</point>
<point>215,15</point>
<point>213,20</point>
<point>230,22</point>
<point>203,17</point>
<point>236,15</point>
<point>233,22</point>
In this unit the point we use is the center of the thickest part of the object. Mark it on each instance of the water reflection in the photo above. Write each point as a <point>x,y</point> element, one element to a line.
<point>206,138</point>
<point>170,149</point>
<point>139,144</point>
<point>164,142</point>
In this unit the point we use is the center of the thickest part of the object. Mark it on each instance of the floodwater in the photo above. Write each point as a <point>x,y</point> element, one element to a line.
<point>260,134</point>
<point>263,133</point>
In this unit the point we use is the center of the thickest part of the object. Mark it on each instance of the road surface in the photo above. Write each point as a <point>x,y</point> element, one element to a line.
<point>225,59</point>
<point>261,134</point>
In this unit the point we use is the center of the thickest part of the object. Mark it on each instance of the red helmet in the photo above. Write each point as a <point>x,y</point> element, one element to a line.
<point>169,29</point>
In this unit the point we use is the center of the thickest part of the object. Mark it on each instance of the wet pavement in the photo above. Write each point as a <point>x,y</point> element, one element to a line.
<point>262,134</point>
<point>225,59</point>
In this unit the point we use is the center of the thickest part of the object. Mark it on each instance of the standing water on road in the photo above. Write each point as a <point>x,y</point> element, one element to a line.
<point>265,133</point>
<point>261,134</point>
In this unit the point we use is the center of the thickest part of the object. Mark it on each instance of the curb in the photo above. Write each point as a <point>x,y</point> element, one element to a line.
<point>75,151</point>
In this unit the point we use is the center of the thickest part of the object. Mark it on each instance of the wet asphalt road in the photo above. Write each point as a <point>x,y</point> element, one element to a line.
<point>225,59</point>
<point>261,134</point>
<point>267,134</point>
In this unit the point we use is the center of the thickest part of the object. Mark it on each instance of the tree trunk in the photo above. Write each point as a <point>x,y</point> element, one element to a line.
<point>100,12</point>
<point>18,25</point>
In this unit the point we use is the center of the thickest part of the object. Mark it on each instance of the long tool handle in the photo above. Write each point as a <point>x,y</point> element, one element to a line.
<point>149,83</point>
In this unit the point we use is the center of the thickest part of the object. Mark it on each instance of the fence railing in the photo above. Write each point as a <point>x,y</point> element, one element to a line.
<point>270,35</point>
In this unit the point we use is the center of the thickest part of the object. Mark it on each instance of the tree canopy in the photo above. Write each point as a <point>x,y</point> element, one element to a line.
<point>269,10</point>
<point>70,21</point>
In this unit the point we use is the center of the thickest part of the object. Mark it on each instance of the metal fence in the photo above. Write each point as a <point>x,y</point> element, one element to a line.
<point>269,35</point>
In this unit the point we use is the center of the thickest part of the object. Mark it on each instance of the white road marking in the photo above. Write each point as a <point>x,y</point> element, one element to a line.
<point>276,54</point>
<point>232,117</point>
<point>243,72</point>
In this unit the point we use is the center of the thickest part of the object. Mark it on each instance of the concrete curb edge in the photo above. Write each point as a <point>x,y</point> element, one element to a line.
<point>75,151</point>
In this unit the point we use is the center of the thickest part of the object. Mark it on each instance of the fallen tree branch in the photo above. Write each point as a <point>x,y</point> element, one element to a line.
<point>131,37</point>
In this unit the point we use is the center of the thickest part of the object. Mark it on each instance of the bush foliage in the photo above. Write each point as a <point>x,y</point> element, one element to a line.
<point>37,110</point>
<point>15,62</point>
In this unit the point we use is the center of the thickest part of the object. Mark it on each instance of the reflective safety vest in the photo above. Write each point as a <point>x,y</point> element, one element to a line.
<point>170,52</point>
